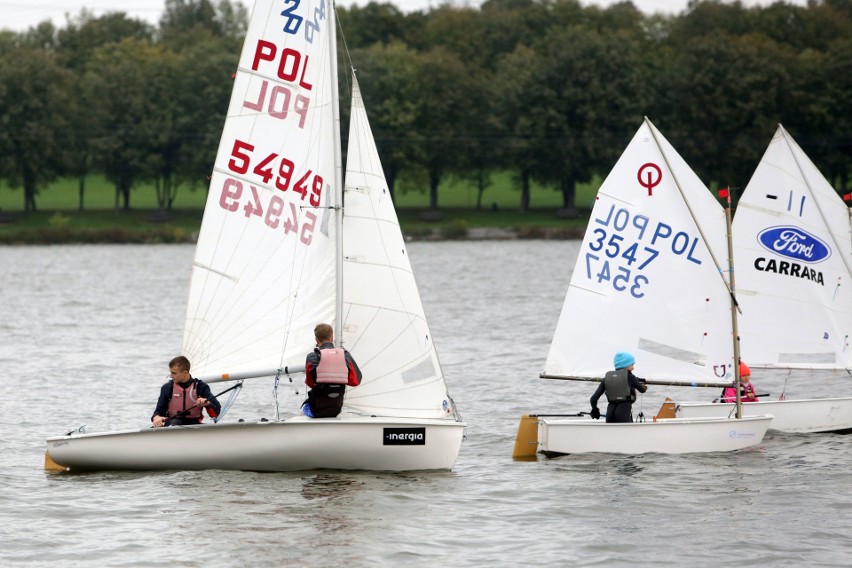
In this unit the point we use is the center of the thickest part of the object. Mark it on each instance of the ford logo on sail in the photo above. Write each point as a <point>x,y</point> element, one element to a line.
<point>794,243</point>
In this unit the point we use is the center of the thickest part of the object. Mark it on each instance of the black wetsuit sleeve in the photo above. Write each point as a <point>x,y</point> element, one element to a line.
<point>598,393</point>
<point>634,383</point>
<point>162,407</point>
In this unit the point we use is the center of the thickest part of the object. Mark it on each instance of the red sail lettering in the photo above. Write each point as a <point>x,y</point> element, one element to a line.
<point>302,83</point>
<point>265,52</point>
<point>287,56</point>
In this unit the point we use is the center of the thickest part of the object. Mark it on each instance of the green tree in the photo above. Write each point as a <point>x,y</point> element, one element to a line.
<point>373,24</point>
<point>202,93</point>
<point>78,40</point>
<point>590,98</point>
<point>388,76</point>
<point>725,97</point>
<point>34,96</point>
<point>221,19</point>
<point>126,119</point>
<point>77,43</point>
<point>826,115</point>
<point>520,132</point>
<point>448,95</point>
<point>508,24</point>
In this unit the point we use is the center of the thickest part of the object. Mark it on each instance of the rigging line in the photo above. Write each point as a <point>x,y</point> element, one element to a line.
<point>345,49</point>
<point>688,206</point>
<point>815,200</point>
<point>275,394</point>
<point>231,399</point>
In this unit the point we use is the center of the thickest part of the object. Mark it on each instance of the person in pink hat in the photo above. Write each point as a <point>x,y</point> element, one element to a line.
<point>747,392</point>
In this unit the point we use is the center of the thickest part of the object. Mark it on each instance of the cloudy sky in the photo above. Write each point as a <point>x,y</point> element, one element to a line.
<point>19,15</point>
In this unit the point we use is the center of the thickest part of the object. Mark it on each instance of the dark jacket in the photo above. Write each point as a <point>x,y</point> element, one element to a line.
<point>202,390</point>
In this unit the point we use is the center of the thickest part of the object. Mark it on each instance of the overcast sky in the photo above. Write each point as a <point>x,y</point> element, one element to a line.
<point>19,15</point>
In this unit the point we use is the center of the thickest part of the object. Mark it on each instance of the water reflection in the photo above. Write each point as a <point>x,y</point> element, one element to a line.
<point>328,486</point>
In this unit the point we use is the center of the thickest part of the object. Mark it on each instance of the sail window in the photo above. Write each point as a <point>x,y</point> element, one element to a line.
<point>672,352</point>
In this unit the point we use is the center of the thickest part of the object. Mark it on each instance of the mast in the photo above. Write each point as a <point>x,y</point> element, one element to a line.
<point>735,335</point>
<point>337,204</point>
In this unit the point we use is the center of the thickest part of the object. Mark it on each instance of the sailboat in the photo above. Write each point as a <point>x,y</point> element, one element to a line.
<point>793,255</point>
<point>283,246</point>
<point>647,280</point>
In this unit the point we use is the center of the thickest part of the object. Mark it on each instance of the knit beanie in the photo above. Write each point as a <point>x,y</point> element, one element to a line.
<point>623,359</point>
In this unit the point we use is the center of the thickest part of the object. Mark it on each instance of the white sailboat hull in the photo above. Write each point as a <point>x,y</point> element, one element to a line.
<point>299,443</point>
<point>797,416</point>
<point>664,436</point>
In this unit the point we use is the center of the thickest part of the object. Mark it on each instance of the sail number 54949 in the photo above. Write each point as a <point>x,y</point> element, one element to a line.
<point>241,163</point>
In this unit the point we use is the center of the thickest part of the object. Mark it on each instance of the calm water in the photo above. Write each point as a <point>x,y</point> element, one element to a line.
<point>85,332</point>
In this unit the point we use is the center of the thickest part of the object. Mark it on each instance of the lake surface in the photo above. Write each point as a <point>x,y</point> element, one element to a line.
<point>85,334</point>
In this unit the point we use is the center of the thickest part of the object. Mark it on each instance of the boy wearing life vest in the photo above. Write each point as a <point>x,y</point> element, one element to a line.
<point>620,386</point>
<point>747,392</point>
<point>328,370</point>
<point>182,398</point>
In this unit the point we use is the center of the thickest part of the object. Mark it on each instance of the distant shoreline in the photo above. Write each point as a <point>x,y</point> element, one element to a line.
<point>154,227</point>
<point>64,236</point>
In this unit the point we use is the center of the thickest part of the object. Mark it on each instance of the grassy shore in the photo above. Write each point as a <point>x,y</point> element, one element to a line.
<point>59,219</point>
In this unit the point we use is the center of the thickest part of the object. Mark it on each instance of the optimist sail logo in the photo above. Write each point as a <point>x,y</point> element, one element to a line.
<point>404,437</point>
<point>794,243</point>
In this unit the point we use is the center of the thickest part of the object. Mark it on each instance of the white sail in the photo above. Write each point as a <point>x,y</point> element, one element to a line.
<point>648,278</point>
<point>384,327</point>
<point>264,268</point>
<point>793,257</point>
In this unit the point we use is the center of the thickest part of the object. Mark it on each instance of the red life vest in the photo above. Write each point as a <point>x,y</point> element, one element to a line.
<point>332,368</point>
<point>182,399</point>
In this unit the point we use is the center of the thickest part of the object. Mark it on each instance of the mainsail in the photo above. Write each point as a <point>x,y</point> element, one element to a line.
<point>648,277</point>
<point>264,269</point>
<point>793,255</point>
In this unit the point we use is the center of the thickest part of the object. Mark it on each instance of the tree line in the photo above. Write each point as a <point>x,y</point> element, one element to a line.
<point>549,90</point>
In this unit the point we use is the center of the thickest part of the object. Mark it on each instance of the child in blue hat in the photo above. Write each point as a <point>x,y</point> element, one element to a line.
<point>620,387</point>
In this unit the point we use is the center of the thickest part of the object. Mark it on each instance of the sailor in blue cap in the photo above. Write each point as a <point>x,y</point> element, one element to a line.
<point>620,387</point>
